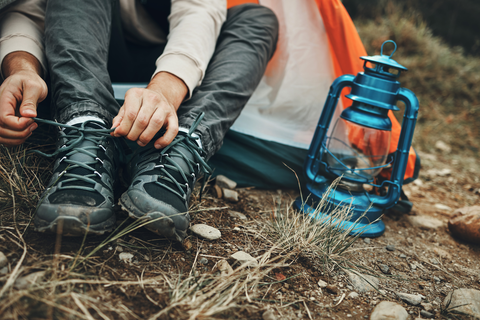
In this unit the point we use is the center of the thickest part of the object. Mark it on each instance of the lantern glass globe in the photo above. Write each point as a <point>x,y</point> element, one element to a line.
<point>357,152</point>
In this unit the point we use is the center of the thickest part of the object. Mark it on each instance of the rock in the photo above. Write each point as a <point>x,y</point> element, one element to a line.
<point>205,231</point>
<point>418,182</point>
<point>126,257</point>
<point>4,271</point>
<point>322,284</point>
<point>269,315</point>
<point>331,289</point>
<point>466,301</point>
<point>442,207</point>
<point>402,256</point>
<point>230,195</point>
<point>3,260</point>
<point>218,192</point>
<point>465,224</point>
<point>367,240</point>
<point>119,249</point>
<point>353,295</point>
<point>427,314</point>
<point>384,268</point>
<point>390,247</point>
<point>427,306</point>
<point>238,215</point>
<point>203,261</point>
<point>363,283</point>
<point>439,173</point>
<point>223,182</point>
<point>442,146</point>
<point>387,310</point>
<point>425,222</point>
<point>243,257</point>
<point>413,299</point>
<point>442,253</point>
<point>224,267</point>
<point>27,281</point>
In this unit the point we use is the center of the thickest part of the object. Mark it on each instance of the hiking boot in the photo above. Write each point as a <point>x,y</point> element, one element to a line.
<point>79,196</point>
<point>162,182</point>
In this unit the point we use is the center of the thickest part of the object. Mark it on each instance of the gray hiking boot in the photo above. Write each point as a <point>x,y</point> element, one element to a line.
<point>162,182</point>
<point>79,196</point>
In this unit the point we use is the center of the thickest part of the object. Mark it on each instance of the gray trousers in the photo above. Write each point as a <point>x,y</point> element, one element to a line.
<point>86,51</point>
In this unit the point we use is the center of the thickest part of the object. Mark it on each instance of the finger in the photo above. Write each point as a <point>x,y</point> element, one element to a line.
<point>131,106</point>
<point>150,103</point>
<point>12,142</point>
<point>155,124</point>
<point>8,119</point>
<point>34,92</point>
<point>118,119</point>
<point>170,134</point>
<point>12,134</point>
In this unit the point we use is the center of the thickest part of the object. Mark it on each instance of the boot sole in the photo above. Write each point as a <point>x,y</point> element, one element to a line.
<point>163,225</point>
<point>73,227</point>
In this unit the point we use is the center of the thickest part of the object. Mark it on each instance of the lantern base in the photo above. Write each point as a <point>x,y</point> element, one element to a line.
<point>364,221</point>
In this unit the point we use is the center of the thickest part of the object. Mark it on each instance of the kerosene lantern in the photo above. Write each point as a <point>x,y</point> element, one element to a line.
<point>357,148</point>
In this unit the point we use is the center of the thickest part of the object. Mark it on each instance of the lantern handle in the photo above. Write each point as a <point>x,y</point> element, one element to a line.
<point>311,165</point>
<point>395,49</point>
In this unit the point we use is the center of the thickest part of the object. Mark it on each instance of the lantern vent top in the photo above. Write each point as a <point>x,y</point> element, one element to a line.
<point>383,63</point>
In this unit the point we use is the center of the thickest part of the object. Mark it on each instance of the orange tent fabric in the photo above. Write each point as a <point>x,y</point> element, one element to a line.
<point>232,3</point>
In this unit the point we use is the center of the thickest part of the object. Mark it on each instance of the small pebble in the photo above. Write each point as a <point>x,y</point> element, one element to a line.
<point>205,231</point>
<point>204,261</point>
<point>353,295</point>
<point>230,195</point>
<point>119,248</point>
<point>402,256</point>
<point>269,315</point>
<point>224,182</point>
<point>426,314</point>
<point>384,268</point>
<point>367,240</point>
<point>437,279</point>
<point>390,247</point>
<point>3,260</point>
<point>126,257</point>
<point>243,257</point>
<point>238,215</point>
<point>322,284</point>
<point>4,270</point>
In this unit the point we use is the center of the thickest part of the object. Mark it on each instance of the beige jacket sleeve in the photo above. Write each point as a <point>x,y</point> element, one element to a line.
<point>194,29</point>
<point>21,29</point>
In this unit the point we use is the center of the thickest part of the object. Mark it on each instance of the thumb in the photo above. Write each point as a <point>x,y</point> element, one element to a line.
<point>33,94</point>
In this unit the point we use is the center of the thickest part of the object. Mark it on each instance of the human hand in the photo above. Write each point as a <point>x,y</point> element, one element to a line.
<point>20,94</point>
<point>147,111</point>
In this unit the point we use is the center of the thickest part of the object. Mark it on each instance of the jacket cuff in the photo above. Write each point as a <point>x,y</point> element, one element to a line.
<point>21,43</point>
<point>183,67</point>
<point>28,38</point>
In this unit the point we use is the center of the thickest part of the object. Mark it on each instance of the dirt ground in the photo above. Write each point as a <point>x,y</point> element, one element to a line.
<point>424,261</point>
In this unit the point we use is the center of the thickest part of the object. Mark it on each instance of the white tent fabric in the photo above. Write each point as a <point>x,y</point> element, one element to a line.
<point>287,104</point>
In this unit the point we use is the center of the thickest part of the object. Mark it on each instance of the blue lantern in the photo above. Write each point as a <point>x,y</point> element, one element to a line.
<point>357,148</point>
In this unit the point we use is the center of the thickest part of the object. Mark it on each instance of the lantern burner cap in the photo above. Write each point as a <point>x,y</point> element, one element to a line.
<point>383,62</point>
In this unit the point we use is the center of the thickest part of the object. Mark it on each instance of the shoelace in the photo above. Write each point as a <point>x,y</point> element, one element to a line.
<point>75,137</point>
<point>189,142</point>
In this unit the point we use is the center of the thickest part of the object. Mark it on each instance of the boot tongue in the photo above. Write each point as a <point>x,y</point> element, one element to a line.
<point>80,156</point>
